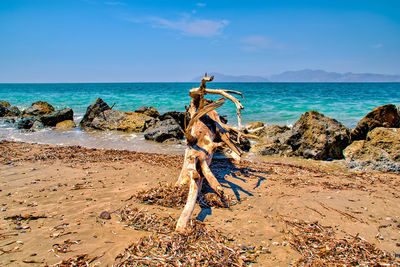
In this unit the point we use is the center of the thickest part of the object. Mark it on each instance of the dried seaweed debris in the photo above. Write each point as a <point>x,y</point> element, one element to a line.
<point>319,246</point>
<point>199,246</point>
<point>165,195</point>
<point>168,195</point>
<point>140,219</point>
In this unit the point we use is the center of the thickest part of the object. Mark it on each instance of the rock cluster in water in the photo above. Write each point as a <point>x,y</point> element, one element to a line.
<point>38,116</point>
<point>160,128</point>
<point>373,145</point>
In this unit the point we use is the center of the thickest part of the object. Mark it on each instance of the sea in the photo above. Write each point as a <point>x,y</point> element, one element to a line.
<point>272,103</point>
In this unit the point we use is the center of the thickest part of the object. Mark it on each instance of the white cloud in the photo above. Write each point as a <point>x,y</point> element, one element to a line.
<point>256,43</point>
<point>377,46</point>
<point>191,26</point>
<point>201,4</point>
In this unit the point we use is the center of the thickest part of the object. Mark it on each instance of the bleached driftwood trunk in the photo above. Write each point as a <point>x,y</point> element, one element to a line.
<point>204,134</point>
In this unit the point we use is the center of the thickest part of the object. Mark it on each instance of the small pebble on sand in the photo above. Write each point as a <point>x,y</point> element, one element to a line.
<point>105,215</point>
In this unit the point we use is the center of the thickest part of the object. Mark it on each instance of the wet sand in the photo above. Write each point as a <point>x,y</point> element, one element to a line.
<point>71,186</point>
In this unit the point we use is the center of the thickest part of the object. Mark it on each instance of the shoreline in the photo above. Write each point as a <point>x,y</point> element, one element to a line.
<point>95,139</point>
<point>72,185</point>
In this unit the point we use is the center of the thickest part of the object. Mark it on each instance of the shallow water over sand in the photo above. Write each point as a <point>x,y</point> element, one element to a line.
<point>91,139</point>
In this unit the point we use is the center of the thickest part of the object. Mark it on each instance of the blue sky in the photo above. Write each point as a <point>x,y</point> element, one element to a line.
<point>160,40</point>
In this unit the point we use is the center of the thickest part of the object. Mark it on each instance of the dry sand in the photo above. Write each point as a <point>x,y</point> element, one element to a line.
<point>71,186</point>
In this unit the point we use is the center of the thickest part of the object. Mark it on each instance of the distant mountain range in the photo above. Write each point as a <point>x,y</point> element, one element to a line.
<point>307,75</point>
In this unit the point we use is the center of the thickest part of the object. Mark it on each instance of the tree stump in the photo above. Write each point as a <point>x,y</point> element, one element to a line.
<point>204,134</point>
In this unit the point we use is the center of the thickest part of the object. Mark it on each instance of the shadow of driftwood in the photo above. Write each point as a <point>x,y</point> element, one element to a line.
<point>203,214</point>
<point>222,167</point>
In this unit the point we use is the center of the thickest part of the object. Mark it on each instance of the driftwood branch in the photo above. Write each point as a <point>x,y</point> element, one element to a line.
<point>205,133</point>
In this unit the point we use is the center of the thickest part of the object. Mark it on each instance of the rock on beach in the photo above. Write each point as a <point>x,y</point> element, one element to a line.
<point>2,110</point>
<point>312,136</point>
<point>383,116</point>
<point>67,124</point>
<point>6,110</point>
<point>38,116</point>
<point>178,116</point>
<point>51,119</point>
<point>26,123</point>
<point>319,137</point>
<point>100,116</point>
<point>149,111</point>
<point>168,128</point>
<point>5,104</point>
<point>163,130</point>
<point>94,110</point>
<point>156,127</point>
<point>38,108</point>
<point>122,121</point>
<point>379,151</point>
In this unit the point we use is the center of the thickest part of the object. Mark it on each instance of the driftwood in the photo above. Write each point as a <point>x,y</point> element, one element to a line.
<point>205,133</point>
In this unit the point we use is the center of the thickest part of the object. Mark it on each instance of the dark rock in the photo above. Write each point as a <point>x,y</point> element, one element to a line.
<point>318,137</point>
<point>164,130</point>
<point>13,111</point>
<point>50,120</point>
<point>9,111</point>
<point>94,110</point>
<point>3,111</point>
<point>178,116</point>
<point>384,116</point>
<point>107,119</point>
<point>38,108</point>
<point>26,123</point>
<point>149,111</point>
<point>5,104</point>
<point>380,151</point>
<point>244,144</point>
<point>313,136</point>
<point>122,121</point>
<point>105,215</point>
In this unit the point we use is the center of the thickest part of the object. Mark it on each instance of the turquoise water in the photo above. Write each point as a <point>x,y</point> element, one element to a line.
<point>274,103</point>
<point>280,103</point>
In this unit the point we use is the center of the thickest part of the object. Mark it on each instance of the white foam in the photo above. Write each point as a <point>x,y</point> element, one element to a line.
<point>90,139</point>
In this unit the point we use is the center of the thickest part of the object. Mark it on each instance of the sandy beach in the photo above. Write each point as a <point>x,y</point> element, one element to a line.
<point>58,194</point>
<point>199,133</point>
